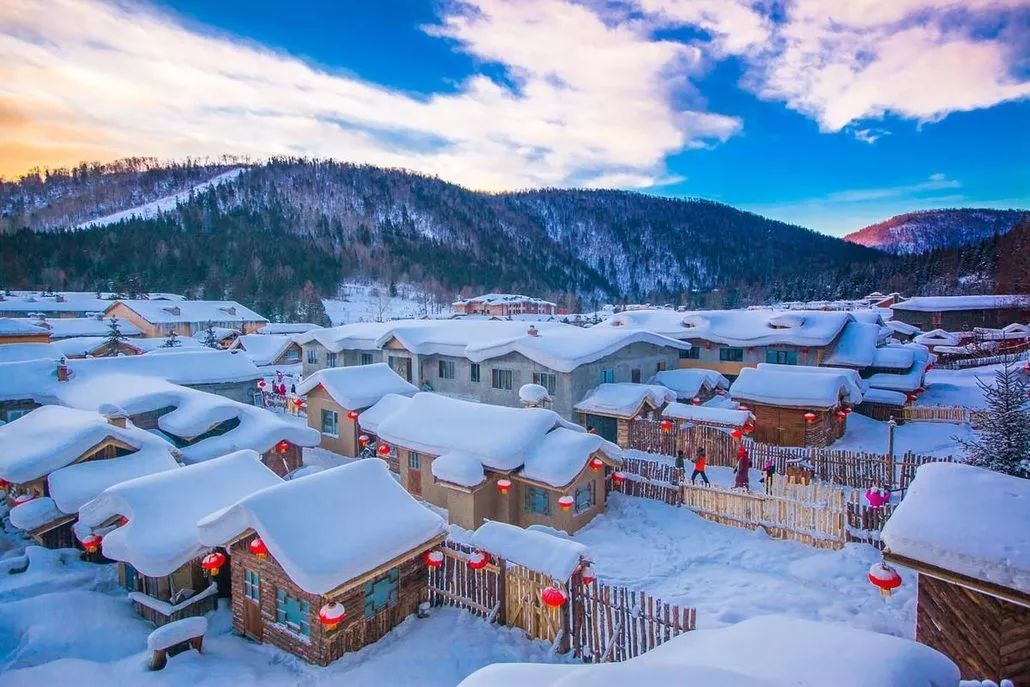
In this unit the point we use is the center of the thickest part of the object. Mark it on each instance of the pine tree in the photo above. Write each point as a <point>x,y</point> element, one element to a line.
<point>1004,441</point>
<point>172,340</point>
<point>114,334</point>
<point>210,340</point>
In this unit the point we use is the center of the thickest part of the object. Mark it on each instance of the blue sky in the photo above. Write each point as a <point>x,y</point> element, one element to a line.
<point>827,115</point>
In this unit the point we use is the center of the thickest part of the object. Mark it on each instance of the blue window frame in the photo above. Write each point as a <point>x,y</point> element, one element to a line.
<point>381,593</point>
<point>608,376</point>
<point>330,423</point>
<point>538,501</point>
<point>781,357</point>
<point>584,497</point>
<point>733,355</point>
<point>251,585</point>
<point>414,460</point>
<point>312,356</point>
<point>292,612</point>
<point>692,353</point>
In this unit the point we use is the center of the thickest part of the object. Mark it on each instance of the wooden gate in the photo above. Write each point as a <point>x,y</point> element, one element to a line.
<point>455,584</point>
<point>523,607</point>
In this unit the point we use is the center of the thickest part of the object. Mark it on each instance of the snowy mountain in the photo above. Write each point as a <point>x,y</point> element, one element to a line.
<point>920,232</point>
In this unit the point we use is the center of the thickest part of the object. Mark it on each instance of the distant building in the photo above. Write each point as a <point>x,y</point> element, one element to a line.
<point>186,318</point>
<point>20,331</point>
<point>504,305</point>
<point>962,313</point>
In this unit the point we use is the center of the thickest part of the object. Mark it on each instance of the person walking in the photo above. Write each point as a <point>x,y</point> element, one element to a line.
<point>700,462</point>
<point>768,470</point>
<point>743,469</point>
<point>680,466</point>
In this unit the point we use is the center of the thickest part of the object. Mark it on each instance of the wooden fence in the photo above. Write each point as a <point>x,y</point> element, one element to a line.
<point>599,622</point>
<point>648,435</point>
<point>935,413</point>
<point>964,363</point>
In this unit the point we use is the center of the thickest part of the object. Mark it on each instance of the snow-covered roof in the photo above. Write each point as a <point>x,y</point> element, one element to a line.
<point>287,328</point>
<point>856,346</point>
<point>382,521</point>
<point>166,312</point>
<point>549,554</point>
<point>263,349</point>
<point>738,327</point>
<point>51,437</point>
<point>35,513</point>
<point>163,509</point>
<point>623,399</point>
<point>884,396</point>
<point>30,380</point>
<point>779,385</point>
<point>64,301</point>
<point>561,347</point>
<point>457,467</point>
<point>73,486</point>
<point>65,327</point>
<point>563,453</point>
<point>21,327</point>
<point>894,357</point>
<point>533,394</point>
<point>499,437</point>
<point>190,367</point>
<point>856,385</point>
<point>943,303</point>
<point>502,298</point>
<point>1008,332</point>
<point>966,519</point>
<point>80,345</point>
<point>220,333</point>
<point>705,414</point>
<point>387,406</point>
<point>907,381</point>
<point>835,654</point>
<point>936,337</point>
<point>903,328</point>
<point>20,352</point>
<point>689,382</point>
<point>358,386</point>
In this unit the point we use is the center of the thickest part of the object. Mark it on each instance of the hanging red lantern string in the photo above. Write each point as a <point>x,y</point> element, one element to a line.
<point>841,415</point>
<point>478,560</point>
<point>258,548</point>
<point>123,521</point>
<point>885,578</point>
<point>213,562</point>
<point>696,401</point>
<point>331,615</point>
<point>261,384</point>
<point>566,502</point>
<point>504,485</point>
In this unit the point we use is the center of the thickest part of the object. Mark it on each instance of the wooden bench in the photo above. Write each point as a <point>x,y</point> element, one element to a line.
<point>174,638</point>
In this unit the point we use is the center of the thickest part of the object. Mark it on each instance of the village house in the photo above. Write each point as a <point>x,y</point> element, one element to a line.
<point>149,526</point>
<point>21,352</point>
<point>286,328</point>
<point>797,405</point>
<point>692,385</point>
<point>335,396</point>
<point>68,327</point>
<point>522,466</point>
<point>962,313</point>
<point>223,336</point>
<point>18,331</point>
<point>156,318</point>
<point>57,305</point>
<point>608,409</point>
<point>503,305</point>
<point>56,458</point>
<point>319,592</point>
<point>488,361</point>
<point>972,571</point>
<point>268,350</point>
<point>103,347</point>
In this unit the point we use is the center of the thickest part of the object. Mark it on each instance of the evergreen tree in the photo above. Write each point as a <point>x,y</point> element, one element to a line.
<point>172,340</point>
<point>210,340</point>
<point>1004,441</point>
<point>114,334</point>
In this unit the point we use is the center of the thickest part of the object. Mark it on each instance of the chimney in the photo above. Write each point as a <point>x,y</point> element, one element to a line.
<point>533,331</point>
<point>174,310</point>
<point>63,372</point>
<point>60,298</point>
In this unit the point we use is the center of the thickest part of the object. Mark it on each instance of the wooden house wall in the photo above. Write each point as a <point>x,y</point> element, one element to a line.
<point>787,426</point>
<point>161,588</point>
<point>283,462</point>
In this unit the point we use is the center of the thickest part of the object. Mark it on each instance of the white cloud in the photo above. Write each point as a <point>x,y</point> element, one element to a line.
<point>591,102</point>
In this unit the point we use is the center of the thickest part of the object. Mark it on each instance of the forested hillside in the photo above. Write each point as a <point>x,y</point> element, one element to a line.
<point>921,232</point>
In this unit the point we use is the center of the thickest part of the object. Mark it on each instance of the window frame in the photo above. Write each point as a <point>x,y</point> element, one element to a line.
<point>414,460</point>
<point>284,602</point>
<point>330,359</point>
<point>731,354</point>
<point>366,359</point>
<point>781,356</point>
<point>502,378</point>
<point>312,356</point>
<point>475,373</point>
<point>692,353</point>
<point>588,494</point>
<point>445,369</point>
<point>374,604</point>
<point>548,380</point>
<point>537,501</point>
<point>608,375</point>
<point>252,585</point>
<point>336,422</point>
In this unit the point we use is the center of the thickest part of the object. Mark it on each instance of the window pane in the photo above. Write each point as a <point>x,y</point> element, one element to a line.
<point>474,372</point>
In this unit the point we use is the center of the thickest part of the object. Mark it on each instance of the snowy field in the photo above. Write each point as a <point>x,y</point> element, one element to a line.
<point>373,303</point>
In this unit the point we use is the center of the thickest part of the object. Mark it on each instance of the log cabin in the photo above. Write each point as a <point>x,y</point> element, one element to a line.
<point>186,318</point>
<point>608,409</point>
<point>319,593</point>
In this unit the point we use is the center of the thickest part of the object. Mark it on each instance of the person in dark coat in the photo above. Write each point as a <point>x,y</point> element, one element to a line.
<point>700,462</point>
<point>743,469</point>
<point>680,467</point>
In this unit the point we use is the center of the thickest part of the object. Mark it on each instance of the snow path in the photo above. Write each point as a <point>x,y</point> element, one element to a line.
<point>164,204</point>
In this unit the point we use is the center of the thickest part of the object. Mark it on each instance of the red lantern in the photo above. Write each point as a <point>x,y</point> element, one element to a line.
<point>478,560</point>
<point>383,450</point>
<point>749,427</point>
<point>504,485</point>
<point>297,403</point>
<point>352,415</point>
<point>364,440</point>
<point>841,415</point>
<point>261,384</point>
<point>92,543</point>
<point>588,576</point>
<point>736,434</point>
<point>282,446</point>
<point>804,351</point>
<point>553,597</point>
<point>810,417</point>
<point>566,502</point>
<point>123,521</point>
<point>331,615</point>
<point>912,397</point>
<point>666,425</point>
<point>258,548</point>
<point>847,410</point>
<point>4,484</point>
<point>596,464</point>
<point>885,578</point>
<point>213,562</point>
<point>433,559</point>
<point>618,478</point>
<point>696,401</point>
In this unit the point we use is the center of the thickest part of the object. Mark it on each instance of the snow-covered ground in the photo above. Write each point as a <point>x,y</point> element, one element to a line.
<point>373,303</point>
<point>958,387</point>
<point>921,438</point>
<point>156,207</point>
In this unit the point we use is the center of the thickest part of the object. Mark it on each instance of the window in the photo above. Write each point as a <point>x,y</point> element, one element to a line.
<point>538,501</point>
<point>312,356</point>
<point>330,423</point>
<point>733,355</point>
<point>781,357</point>
<point>381,593</point>
<point>292,612</point>
<point>547,380</point>
<point>502,379</point>
<point>607,376</point>
<point>474,373</point>
<point>251,585</point>
<point>366,358</point>
<point>584,497</point>
<point>414,460</point>
<point>660,367</point>
<point>445,368</point>
<point>16,413</point>
<point>692,353</point>
<point>634,376</point>
<point>330,360</point>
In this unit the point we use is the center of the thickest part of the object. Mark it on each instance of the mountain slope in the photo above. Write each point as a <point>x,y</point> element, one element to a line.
<point>920,232</point>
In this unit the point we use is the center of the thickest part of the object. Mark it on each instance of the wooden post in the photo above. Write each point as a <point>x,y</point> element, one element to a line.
<point>502,592</point>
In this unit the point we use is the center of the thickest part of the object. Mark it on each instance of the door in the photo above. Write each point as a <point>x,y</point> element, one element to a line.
<point>401,366</point>
<point>606,427</point>
<point>252,626</point>
<point>414,473</point>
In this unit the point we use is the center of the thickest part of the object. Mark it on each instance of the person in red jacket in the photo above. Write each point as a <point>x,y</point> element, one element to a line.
<point>700,462</point>
<point>743,469</point>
